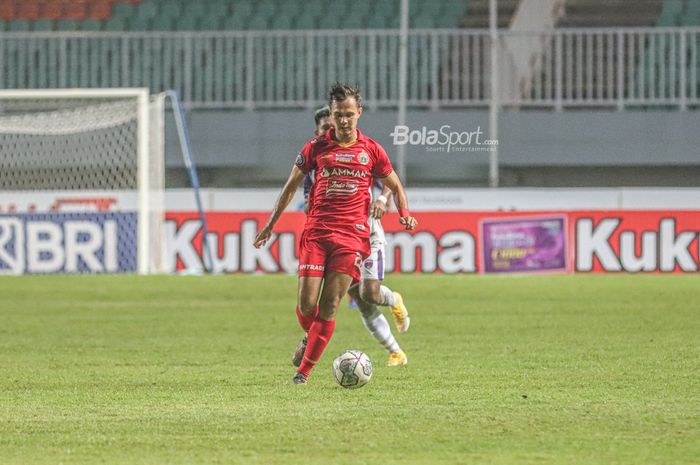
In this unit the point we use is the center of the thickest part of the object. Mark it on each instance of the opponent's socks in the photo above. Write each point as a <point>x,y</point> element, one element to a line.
<point>386,297</point>
<point>306,321</point>
<point>377,324</point>
<point>319,336</point>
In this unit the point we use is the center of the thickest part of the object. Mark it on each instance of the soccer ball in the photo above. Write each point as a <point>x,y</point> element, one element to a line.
<point>352,369</point>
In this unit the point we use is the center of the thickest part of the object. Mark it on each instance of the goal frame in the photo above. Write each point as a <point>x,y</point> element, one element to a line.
<point>142,97</point>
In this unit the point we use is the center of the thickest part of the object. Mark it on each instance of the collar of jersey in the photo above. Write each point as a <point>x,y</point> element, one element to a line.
<point>329,137</point>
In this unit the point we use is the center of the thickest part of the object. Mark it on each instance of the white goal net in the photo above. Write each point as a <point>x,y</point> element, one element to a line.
<point>81,181</point>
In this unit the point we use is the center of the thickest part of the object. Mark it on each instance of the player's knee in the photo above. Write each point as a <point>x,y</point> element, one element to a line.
<point>330,303</point>
<point>307,306</point>
<point>370,294</point>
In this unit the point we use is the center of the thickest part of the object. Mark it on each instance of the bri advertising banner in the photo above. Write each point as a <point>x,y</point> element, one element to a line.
<point>67,243</point>
<point>464,242</point>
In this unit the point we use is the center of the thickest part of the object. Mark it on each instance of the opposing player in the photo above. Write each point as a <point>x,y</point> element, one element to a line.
<point>335,240</point>
<point>369,292</point>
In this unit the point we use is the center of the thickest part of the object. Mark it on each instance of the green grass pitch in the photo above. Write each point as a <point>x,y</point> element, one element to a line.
<point>503,370</point>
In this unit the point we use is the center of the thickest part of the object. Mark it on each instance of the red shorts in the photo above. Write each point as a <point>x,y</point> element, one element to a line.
<point>322,250</point>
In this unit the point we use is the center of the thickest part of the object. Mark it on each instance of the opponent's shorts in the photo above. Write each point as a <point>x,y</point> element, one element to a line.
<point>373,266</point>
<point>322,250</point>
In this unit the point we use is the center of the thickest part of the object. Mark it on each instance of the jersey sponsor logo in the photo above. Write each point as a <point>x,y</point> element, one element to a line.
<point>341,188</point>
<point>345,157</point>
<point>343,172</point>
<point>300,160</point>
<point>308,266</point>
<point>363,158</point>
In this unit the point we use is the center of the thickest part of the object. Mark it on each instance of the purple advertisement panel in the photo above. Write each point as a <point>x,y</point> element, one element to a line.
<point>68,243</point>
<point>521,245</point>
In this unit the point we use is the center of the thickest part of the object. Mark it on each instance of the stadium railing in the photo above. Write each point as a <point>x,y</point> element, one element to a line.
<point>609,67</point>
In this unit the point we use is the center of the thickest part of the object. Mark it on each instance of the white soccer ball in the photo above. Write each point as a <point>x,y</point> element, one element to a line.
<point>352,369</point>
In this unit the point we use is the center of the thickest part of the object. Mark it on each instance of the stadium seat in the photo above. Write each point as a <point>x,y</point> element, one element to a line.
<point>187,23</point>
<point>163,23</point>
<point>137,23</point>
<point>147,10</point>
<point>281,22</point>
<point>170,10</point>
<point>90,25</point>
<point>218,9</point>
<point>41,25</point>
<point>242,9</point>
<point>67,25</point>
<point>123,10</point>
<point>51,10</point>
<point>257,23</point>
<point>234,22</point>
<point>115,23</point>
<point>18,25</point>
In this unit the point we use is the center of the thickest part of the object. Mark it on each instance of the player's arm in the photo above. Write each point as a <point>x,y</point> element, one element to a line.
<point>393,182</point>
<point>380,205</point>
<point>286,196</point>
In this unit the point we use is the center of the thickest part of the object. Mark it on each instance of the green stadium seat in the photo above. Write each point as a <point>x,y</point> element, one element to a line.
<point>68,25</point>
<point>257,23</point>
<point>18,25</point>
<point>147,10</point>
<point>170,9</point>
<point>123,10</point>
<point>90,25</point>
<point>137,23</point>
<point>243,9</point>
<point>281,22</point>
<point>376,21</point>
<point>187,23</point>
<point>353,21</point>
<point>423,21</point>
<point>163,23</point>
<point>234,23</point>
<point>265,8</point>
<point>42,25</point>
<point>195,9</point>
<point>115,23</point>
<point>218,9</point>
<point>306,21</point>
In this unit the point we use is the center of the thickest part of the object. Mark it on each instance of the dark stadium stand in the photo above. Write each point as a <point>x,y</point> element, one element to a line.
<point>184,15</point>
<point>610,13</point>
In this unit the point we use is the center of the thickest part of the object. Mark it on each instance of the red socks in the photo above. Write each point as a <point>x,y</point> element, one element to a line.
<point>306,321</point>
<point>319,336</point>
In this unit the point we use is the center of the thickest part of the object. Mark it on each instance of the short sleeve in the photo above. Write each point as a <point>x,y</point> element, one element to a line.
<point>382,166</point>
<point>305,160</point>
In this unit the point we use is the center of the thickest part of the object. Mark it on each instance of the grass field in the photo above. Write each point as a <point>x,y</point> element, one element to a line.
<point>512,370</point>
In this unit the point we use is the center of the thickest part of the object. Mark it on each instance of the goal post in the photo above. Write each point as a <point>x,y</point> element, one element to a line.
<point>65,148</point>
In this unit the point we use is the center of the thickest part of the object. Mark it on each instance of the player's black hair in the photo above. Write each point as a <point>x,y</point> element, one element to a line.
<point>323,112</point>
<point>340,91</point>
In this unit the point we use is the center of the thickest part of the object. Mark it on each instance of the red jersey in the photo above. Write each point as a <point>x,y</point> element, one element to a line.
<point>343,178</point>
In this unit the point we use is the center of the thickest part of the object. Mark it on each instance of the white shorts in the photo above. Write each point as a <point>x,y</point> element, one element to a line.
<point>373,266</point>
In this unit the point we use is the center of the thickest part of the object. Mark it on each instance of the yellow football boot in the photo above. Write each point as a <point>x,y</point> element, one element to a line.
<point>397,359</point>
<point>400,314</point>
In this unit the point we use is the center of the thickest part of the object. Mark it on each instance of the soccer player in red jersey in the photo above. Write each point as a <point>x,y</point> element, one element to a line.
<point>335,240</point>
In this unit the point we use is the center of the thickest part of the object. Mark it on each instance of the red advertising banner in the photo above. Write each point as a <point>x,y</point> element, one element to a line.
<point>452,242</point>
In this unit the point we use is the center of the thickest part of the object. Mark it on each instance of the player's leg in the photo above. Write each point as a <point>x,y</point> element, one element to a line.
<point>335,286</point>
<point>307,311</point>
<point>312,258</point>
<point>373,291</point>
<point>373,319</point>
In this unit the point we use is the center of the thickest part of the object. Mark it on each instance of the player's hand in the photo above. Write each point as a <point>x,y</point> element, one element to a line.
<point>409,222</point>
<point>262,237</point>
<point>377,209</point>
